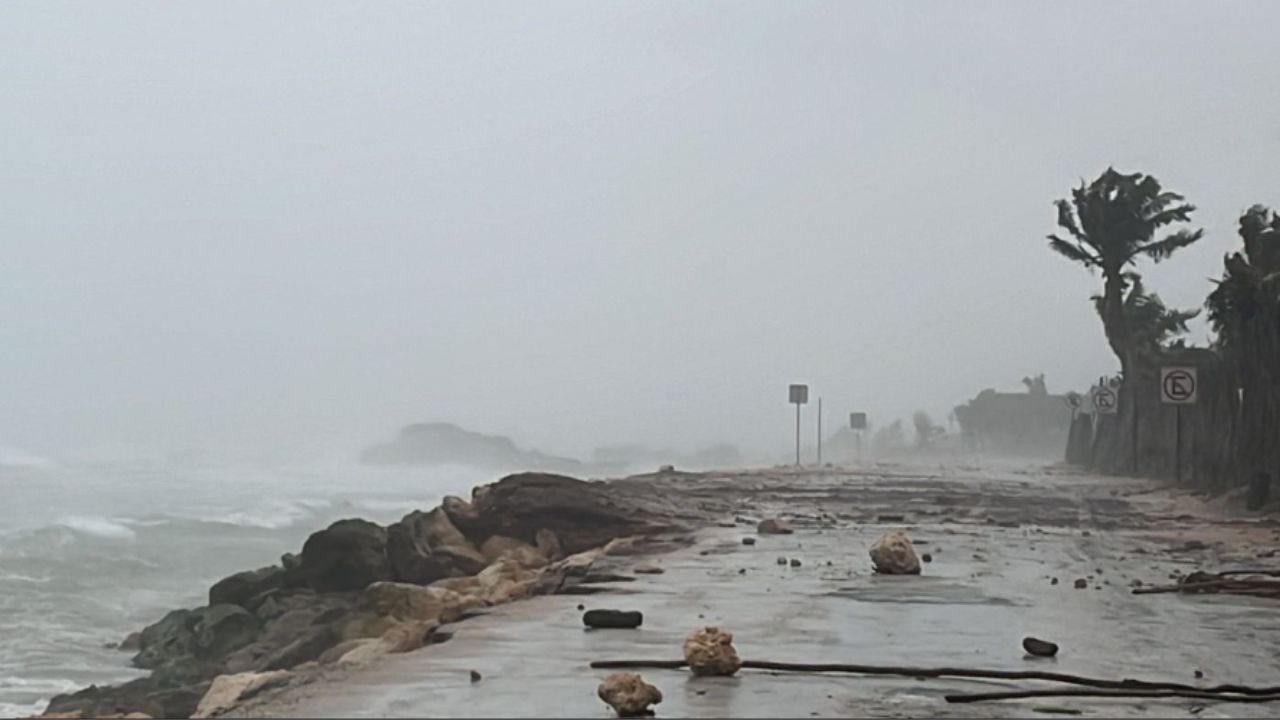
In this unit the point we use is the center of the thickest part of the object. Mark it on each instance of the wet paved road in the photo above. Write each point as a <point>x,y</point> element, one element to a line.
<point>996,538</point>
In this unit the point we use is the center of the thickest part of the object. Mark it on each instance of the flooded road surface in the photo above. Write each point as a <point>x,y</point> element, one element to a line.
<point>998,539</point>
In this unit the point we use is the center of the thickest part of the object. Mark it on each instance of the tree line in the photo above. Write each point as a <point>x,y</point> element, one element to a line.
<point>1231,436</point>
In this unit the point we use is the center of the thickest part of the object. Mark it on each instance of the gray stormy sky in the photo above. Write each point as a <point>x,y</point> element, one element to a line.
<point>242,224</point>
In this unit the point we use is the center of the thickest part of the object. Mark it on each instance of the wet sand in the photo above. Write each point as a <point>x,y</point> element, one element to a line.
<point>997,537</point>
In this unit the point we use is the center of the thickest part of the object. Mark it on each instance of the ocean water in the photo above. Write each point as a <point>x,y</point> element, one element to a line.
<point>91,551</point>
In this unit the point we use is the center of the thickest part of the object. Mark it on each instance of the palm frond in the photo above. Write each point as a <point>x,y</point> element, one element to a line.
<point>1074,251</point>
<point>1067,221</point>
<point>1162,249</point>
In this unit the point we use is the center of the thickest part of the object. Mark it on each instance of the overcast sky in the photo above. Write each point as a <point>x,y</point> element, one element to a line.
<point>303,224</point>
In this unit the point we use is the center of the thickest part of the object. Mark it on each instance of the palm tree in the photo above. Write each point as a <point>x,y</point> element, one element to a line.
<point>1249,293</point>
<point>1111,222</point>
<point>1244,310</point>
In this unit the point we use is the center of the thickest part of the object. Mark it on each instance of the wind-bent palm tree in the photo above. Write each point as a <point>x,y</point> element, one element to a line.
<point>1247,299</point>
<point>1244,310</point>
<point>1111,222</point>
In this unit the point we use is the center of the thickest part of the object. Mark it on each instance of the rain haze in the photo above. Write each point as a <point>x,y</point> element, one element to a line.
<point>295,227</point>
<point>363,294</point>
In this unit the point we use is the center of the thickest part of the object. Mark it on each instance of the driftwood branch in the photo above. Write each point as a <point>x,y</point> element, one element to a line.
<point>1203,694</point>
<point>1100,683</point>
<point>1263,588</point>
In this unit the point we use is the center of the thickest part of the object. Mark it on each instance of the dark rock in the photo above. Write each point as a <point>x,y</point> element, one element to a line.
<point>274,603</point>
<point>1199,674</point>
<point>795,562</point>
<point>1053,581</point>
<point>596,578</point>
<point>782,561</point>
<point>137,696</point>
<point>463,559</point>
<point>475,676</point>
<point>583,515</point>
<point>926,557</point>
<point>1038,647</point>
<point>411,558</point>
<point>622,619</point>
<point>131,643</point>
<point>1086,533</point>
<point>308,647</point>
<point>748,541</point>
<point>202,634</point>
<point>239,588</point>
<point>290,561</point>
<point>649,570</point>
<point>1081,583</point>
<point>348,555</point>
<point>890,518</point>
<point>774,526</point>
<point>223,629</point>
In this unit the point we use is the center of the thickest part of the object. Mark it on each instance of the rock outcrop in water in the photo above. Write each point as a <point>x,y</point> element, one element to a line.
<point>359,590</point>
<point>441,443</point>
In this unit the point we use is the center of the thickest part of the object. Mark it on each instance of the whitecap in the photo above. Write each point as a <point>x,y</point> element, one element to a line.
<point>100,527</point>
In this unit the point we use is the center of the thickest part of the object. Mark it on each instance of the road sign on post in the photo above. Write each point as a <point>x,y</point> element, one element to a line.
<point>799,395</point>
<point>858,423</point>
<point>1178,386</point>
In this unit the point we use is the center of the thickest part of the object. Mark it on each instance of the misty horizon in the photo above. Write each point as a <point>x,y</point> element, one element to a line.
<point>295,227</point>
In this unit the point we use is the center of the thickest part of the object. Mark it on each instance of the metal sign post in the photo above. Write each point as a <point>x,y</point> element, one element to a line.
<point>799,395</point>
<point>1178,387</point>
<point>819,431</point>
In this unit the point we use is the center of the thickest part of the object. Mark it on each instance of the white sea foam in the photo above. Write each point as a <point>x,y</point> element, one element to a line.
<point>99,527</point>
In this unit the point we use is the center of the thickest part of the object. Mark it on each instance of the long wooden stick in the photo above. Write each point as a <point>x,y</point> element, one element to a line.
<point>1126,684</point>
<point>1074,692</point>
<point>1237,587</point>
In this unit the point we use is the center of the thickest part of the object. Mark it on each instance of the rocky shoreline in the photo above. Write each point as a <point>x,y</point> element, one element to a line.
<point>358,590</point>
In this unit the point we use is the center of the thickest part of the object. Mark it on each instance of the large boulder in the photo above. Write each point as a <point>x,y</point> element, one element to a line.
<point>310,645</point>
<point>425,547</point>
<point>501,547</point>
<point>709,651</point>
<point>305,614</point>
<point>628,694</point>
<point>347,555</point>
<point>414,602</point>
<point>203,634</point>
<point>507,580</point>
<point>142,696</point>
<point>582,515</point>
<point>226,690</point>
<point>272,604</point>
<point>238,589</point>
<point>893,554</point>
